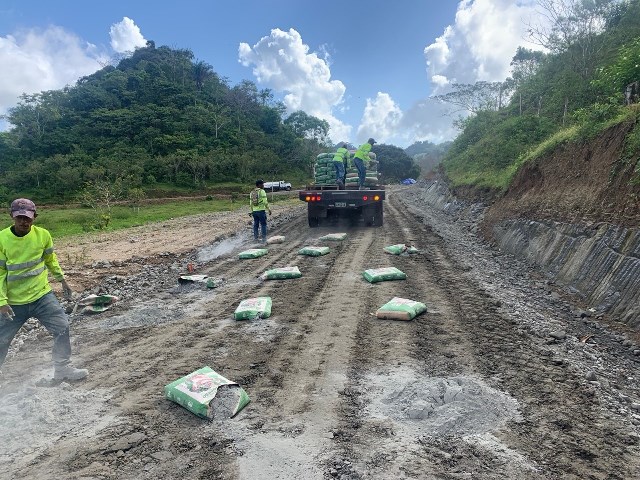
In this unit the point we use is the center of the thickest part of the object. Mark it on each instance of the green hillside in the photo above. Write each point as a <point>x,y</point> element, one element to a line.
<point>157,121</point>
<point>570,94</point>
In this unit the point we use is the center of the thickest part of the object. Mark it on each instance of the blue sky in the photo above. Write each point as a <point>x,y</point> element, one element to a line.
<point>367,67</point>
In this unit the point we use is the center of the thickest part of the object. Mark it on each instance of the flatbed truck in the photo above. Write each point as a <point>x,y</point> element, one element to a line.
<point>328,201</point>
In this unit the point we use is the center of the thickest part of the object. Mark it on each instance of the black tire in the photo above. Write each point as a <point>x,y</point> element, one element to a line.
<point>314,222</point>
<point>378,217</point>
<point>288,189</point>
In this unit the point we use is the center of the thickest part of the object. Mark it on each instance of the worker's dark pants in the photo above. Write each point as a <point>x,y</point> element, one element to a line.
<point>362,170</point>
<point>260,218</point>
<point>339,172</point>
<point>49,312</point>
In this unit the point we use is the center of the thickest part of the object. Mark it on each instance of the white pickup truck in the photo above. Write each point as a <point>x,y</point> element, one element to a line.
<point>277,186</point>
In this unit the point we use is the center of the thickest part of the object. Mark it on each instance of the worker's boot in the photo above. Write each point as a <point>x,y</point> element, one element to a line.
<point>69,372</point>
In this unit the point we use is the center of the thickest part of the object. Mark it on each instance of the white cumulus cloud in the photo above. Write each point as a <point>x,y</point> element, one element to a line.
<point>282,62</point>
<point>380,119</point>
<point>126,36</point>
<point>478,45</point>
<point>481,42</point>
<point>32,61</point>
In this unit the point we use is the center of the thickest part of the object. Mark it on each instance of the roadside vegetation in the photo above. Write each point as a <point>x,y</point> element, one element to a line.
<point>571,94</point>
<point>74,220</point>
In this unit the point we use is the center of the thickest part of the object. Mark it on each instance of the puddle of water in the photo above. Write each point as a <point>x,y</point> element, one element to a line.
<point>221,248</point>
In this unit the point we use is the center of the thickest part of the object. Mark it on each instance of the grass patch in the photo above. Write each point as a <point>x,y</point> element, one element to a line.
<point>63,222</point>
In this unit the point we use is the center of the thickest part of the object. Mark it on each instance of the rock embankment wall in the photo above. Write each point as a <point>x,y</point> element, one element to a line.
<point>600,262</point>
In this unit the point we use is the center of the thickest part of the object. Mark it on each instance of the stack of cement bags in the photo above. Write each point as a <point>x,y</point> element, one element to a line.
<point>371,177</point>
<point>323,171</point>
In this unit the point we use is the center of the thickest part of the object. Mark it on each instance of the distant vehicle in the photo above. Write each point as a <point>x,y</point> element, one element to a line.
<point>277,186</point>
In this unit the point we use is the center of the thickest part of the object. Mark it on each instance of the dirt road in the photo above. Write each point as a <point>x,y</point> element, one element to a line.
<point>502,378</point>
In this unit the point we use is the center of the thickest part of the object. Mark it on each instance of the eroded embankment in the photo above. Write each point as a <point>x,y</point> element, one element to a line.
<point>600,262</point>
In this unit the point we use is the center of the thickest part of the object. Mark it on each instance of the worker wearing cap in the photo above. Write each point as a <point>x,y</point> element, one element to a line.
<point>361,160</point>
<point>26,259</point>
<point>259,208</point>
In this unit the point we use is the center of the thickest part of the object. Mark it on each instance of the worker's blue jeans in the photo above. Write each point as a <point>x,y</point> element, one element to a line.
<point>339,172</point>
<point>49,312</point>
<point>362,170</point>
<point>260,218</point>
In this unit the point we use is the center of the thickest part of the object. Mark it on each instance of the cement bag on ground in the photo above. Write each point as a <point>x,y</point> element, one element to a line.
<point>281,273</point>
<point>275,239</point>
<point>396,249</point>
<point>253,253</point>
<point>401,309</point>
<point>334,237</point>
<point>374,275</point>
<point>97,303</point>
<point>253,308</point>
<point>207,394</point>
<point>314,251</point>
<point>400,249</point>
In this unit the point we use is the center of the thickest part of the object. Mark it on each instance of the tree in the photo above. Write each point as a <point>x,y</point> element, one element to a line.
<point>394,163</point>
<point>308,126</point>
<point>476,97</point>
<point>574,26</point>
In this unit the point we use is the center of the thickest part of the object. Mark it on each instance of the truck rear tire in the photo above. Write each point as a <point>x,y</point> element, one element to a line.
<point>314,222</point>
<point>378,217</point>
<point>372,215</point>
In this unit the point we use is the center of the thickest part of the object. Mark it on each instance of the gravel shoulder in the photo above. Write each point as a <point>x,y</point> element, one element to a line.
<point>504,376</point>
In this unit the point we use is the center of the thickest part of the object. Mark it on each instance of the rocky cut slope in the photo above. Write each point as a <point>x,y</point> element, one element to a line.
<point>576,214</point>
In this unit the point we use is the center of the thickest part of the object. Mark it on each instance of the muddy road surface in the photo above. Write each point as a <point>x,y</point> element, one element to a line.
<point>505,376</point>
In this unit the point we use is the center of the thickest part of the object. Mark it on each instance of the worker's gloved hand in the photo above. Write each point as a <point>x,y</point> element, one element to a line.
<point>66,290</point>
<point>7,312</point>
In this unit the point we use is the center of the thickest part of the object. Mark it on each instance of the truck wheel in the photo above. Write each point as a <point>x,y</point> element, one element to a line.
<point>378,217</point>
<point>314,222</point>
<point>288,189</point>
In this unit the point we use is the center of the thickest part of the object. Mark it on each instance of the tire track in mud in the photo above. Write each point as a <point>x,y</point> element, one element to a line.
<point>149,357</point>
<point>295,431</point>
<point>399,352</point>
<point>563,432</point>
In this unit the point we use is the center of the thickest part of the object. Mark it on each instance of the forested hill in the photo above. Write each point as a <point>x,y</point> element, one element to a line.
<point>427,155</point>
<point>565,98</point>
<point>158,117</point>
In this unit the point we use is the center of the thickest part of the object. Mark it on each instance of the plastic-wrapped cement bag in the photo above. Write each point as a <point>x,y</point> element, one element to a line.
<point>401,309</point>
<point>314,251</point>
<point>97,303</point>
<point>275,239</point>
<point>335,237</point>
<point>400,248</point>
<point>281,273</point>
<point>374,275</point>
<point>207,394</point>
<point>253,253</point>
<point>253,308</point>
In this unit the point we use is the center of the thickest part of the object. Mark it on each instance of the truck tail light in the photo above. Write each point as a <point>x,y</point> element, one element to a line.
<point>365,198</point>
<point>376,197</point>
<point>307,198</point>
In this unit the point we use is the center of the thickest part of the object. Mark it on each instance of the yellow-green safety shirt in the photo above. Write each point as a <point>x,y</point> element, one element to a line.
<point>263,203</point>
<point>341,155</point>
<point>24,266</point>
<point>363,153</point>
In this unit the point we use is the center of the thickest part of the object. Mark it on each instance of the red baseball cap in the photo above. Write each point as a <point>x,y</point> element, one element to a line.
<point>23,207</point>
